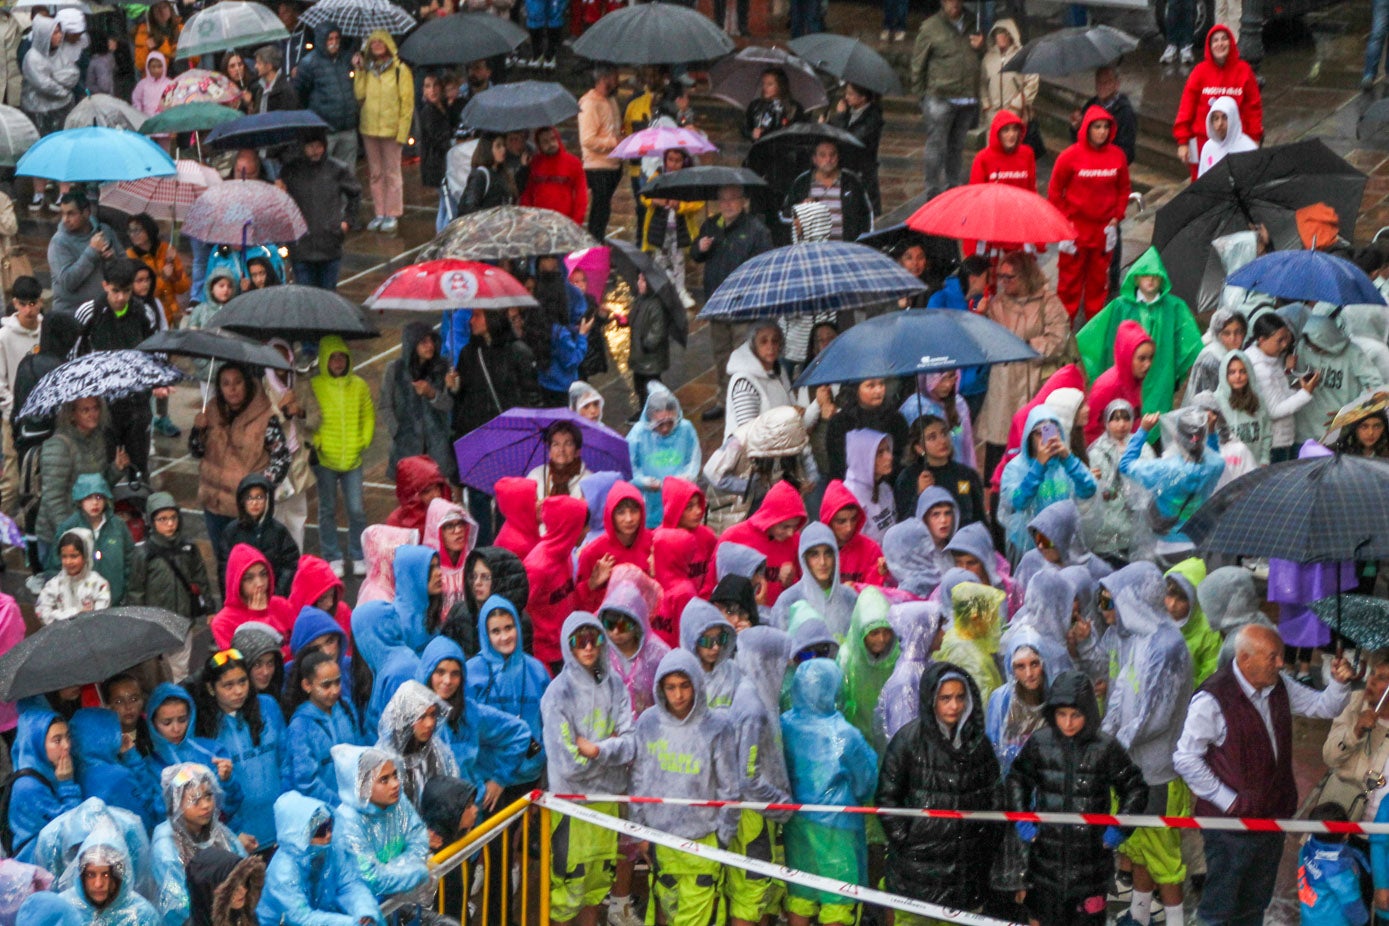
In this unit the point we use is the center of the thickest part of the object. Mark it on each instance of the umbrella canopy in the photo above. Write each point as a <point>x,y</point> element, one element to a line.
<point>653,33</point>
<point>107,374</point>
<point>1314,510</point>
<point>813,277</point>
<point>661,139</point>
<point>95,155</point>
<point>197,85</point>
<point>1374,116</point>
<point>104,110</point>
<point>942,252</point>
<point>460,38</point>
<point>442,285</point>
<point>1070,51</point>
<point>849,60</point>
<point>513,444</point>
<point>527,104</point>
<point>1266,187</point>
<point>702,183</point>
<point>162,197</point>
<point>264,130</point>
<point>295,313</point>
<point>226,25</point>
<point>214,344</point>
<point>17,135</point>
<point>992,212</point>
<point>88,648</point>
<point>914,341</point>
<point>1362,618</point>
<point>60,5</point>
<point>245,212</point>
<point>359,18</point>
<point>505,232</point>
<point>189,117</point>
<point>783,155</point>
<point>1309,276</point>
<point>629,260</point>
<point>738,79</point>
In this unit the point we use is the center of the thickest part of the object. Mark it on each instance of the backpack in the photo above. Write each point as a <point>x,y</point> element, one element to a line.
<point>6,792</point>
<point>31,483</point>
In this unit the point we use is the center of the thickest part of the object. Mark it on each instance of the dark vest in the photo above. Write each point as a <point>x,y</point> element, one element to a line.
<point>1245,761</point>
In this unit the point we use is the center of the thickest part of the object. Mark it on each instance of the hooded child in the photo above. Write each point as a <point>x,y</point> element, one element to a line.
<point>175,575</point>
<point>1044,472</point>
<point>374,828</point>
<point>634,649</point>
<point>148,92</point>
<point>684,507</point>
<point>249,594</point>
<point>224,888</point>
<point>921,626</point>
<point>170,718</point>
<point>1015,707</point>
<point>502,674</point>
<point>1226,332</point>
<point>77,587</point>
<point>1224,134</point>
<point>973,638</point>
<point>736,559</point>
<point>868,477</point>
<point>774,531</point>
<point>488,571</point>
<point>104,889</point>
<point>972,549</point>
<point>549,566</point>
<point>418,481</point>
<point>317,723</point>
<point>670,551</point>
<point>96,744</point>
<point>113,547</point>
<point>316,586</point>
<point>1058,537</point>
<point>306,881</point>
<point>412,618</point>
<point>1134,350</point>
<point>1181,599</point>
<point>916,551</point>
<point>191,804</point>
<point>860,558</point>
<point>819,585</point>
<point>1180,480</point>
<point>452,533</point>
<point>1110,518</point>
<point>662,443</point>
<point>255,525</point>
<point>625,539</point>
<point>349,420</point>
<point>518,502</point>
<point>1221,72</point>
<point>867,659</point>
<point>409,729</point>
<point>379,543</point>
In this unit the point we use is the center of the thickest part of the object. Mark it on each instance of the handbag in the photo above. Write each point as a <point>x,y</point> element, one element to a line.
<point>14,263</point>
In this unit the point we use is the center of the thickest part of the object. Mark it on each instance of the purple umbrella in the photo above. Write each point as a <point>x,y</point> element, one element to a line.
<point>513,444</point>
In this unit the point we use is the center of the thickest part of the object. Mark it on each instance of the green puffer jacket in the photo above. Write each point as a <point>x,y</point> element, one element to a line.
<point>349,417</point>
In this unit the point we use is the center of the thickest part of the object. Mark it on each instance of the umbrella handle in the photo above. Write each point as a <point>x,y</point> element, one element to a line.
<point>208,391</point>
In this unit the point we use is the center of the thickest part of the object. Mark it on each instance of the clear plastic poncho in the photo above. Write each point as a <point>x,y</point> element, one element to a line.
<point>390,844</point>
<point>419,762</point>
<point>1230,600</point>
<point>57,844</point>
<point>829,761</point>
<point>104,846</point>
<point>174,844</point>
<point>1046,612</point>
<point>866,674</point>
<point>917,624</point>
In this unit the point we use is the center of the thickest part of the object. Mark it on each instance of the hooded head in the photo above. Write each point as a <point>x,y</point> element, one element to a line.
<point>933,496</point>
<point>1228,598</point>
<point>1074,689</point>
<point>214,875</point>
<point>517,501</point>
<point>623,492</point>
<point>871,613</point>
<point>736,590</point>
<point>683,662</point>
<point>313,580</point>
<point>1226,106</point>
<point>88,545</point>
<point>575,622</point>
<point>1127,340</point>
<point>1035,418</point>
<point>1002,119</point>
<point>661,406</point>
<point>1188,576</point>
<point>407,706</point>
<point>89,484</point>
<point>29,749</point>
<point>817,534</point>
<point>1326,334</point>
<point>1137,590</point>
<point>357,768</point>
<point>175,783</point>
<point>1049,602</point>
<point>564,518</point>
<point>815,688</point>
<point>416,477</point>
<point>164,693</point>
<point>978,614</point>
<point>700,618</point>
<point>737,559</point>
<point>333,344</point>
<point>1221,29</point>
<point>297,819</point>
<point>486,650</point>
<point>1059,522</point>
<point>164,70</point>
<point>443,512</point>
<point>781,503</point>
<point>808,631</point>
<point>974,540</point>
<point>861,455</point>
<point>1093,116</point>
<point>103,847</point>
<point>1149,264</point>
<point>761,657</point>
<point>313,624</point>
<point>626,599</point>
<point>582,395</point>
<point>255,481</point>
<point>917,623</point>
<point>970,725</point>
<point>443,803</point>
<point>1188,427</point>
<point>676,494</point>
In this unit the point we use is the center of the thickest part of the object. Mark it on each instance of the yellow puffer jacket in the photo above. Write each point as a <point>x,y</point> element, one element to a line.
<point>386,95</point>
<point>349,417</point>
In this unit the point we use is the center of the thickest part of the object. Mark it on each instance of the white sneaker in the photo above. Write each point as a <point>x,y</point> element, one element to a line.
<point>388,225</point>
<point>623,915</point>
<point>900,35</point>
<point>375,224</point>
<point>885,36</point>
<point>535,62</point>
<point>1169,54</point>
<point>337,567</point>
<point>550,64</point>
<point>359,567</point>
<point>1187,56</point>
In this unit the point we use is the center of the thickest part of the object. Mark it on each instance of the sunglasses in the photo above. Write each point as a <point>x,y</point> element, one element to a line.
<point>711,640</point>
<point>818,651</point>
<point>618,623</point>
<point>583,639</point>
<point>225,656</point>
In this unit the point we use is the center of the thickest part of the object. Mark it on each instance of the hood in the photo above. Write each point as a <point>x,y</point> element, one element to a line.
<point>620,492</point>
<point>978,614</point>
<point>1209,59</point>
<point>165,692</point>
<point>837,498</point>
<point>1229,598</point>
<point>441,649</point>
<point>807,631</point>
<point>1127,340</point>
<point>32,730</point>
<point>412,591</point>
<point>310,625</point>
<point>743,362</point>
<point>1227,105</point>
<point>413,476</point>
<point>45,908</point>
<point>734,589</point>
<point>698,618</point>
<point>1149,264</point>
<point>564,518</point>
<point>761,657</point>
<point>571,624</point>
<point>974,539</point>
<point>158,501</point>
<point>917,623</point>
<point>213,875</point>
<point>1223,391</point>
<point>815,687</point>
<point>932,496</point>
<point>861,454</point>
<point>675,498</point>
<point>672,549</point>
<point>443,802</point>
<point>1060,523</point>
<point>1048,603</point>
<point>88,545</point>
<point>355,766</point>
<point>296,819</point>
<point>1367,321</point>
<point>379,543</point>
<point>517,499</point>
<point>582,394</point>
<point>489,653</point>
<point>781,503</point>
<point>409,703</point>
<point>176,780</point>
<point>253,481</point>
<point>595,488</point>
<point>1005,117</point>
<point>1092,115</point>
<point>1026,638</point>
<point>626,598</point>
<point>537,153</point>
<point>738,559</point>
<point>89,484</point>
<point>1085,587</point>
<point>59,331</point>
<point>381,35</point>
<point>442,511</point>
<point>1325,333</point>
<point>508,575</point>
<point>105,846</point>
<point>948,580</point>
<point>155,56</point>
<point>41,37</point>
<point>871,612</point>
<point>312,580</point>
<point>1034,418</point>
<point>415,332</point>
<point>1137,590</point>
<point>659,399</point>
<point>818,533</point>
<point>96,737</point>
<point>1074,689</point>
<point>910,554</point>
<point>334,344</point>
<point>971,725</point>
<point>1189,574</point>
<point>680,660</point>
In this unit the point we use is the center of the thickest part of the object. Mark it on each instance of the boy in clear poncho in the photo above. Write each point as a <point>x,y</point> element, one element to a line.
<point>408,729</point>
<point>191,796</point>
<point>1060,542</point>
<point>374,831</point>
<point>920,626</point>
<point>973,638</point>
<point>307,883</point>
<point>103,891</point>
<point>1181,480</point>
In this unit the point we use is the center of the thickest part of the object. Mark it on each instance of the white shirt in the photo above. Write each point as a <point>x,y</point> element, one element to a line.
<point>1205,727</point>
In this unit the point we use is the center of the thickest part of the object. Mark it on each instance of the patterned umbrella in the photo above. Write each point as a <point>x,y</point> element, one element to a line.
<point>513,444</point>
<point>198,86</point>
<point>506,232</point>
<point>1362,618</point>
<point>442,285</point>
<point>189,117</point>
<point>17,135</point>
<point>661,139</point>
<point>104,110</point>
<point>360,18</point>
<point>229,24</point>
<point>245,212</point>
<point>94,155</point>
<point>107,374</point>
<point>162,197</point>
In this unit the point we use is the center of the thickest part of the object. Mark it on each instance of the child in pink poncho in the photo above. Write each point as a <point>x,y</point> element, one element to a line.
<point>150,89</point>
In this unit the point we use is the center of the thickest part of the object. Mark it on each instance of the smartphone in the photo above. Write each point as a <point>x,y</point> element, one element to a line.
<point>1049,430</point>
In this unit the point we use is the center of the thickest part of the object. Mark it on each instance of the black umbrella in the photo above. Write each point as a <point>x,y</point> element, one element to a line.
<point>1314,510</point>
<point>88,648</point>
<point>1266,187</point>
<point>850,60</point>
<point>214,344</point>
<point>461,38</point>
<point>653,33</point>
<point>738,78</point>
<point>785,154</point>
<point>629,260</point>
<point>1071,51</point>
<point>295,313</point>
<point>527,104</point>
<point>265,130</point>
<point>1374,116</point>
<point>943,253</point>
<point>700,184</point>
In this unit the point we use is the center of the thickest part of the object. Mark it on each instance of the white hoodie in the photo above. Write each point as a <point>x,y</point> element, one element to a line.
<point>16,342</point>
<point>1213,151</point>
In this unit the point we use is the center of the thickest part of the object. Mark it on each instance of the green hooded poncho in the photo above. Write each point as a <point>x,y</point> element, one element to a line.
<point>1201,640</point>
<point>866,674</point>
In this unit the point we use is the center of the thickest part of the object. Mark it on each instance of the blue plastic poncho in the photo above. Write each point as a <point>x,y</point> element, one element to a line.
<point>96,746</point>
<point>309,764</point>
<point>256,767</point>
<point>655,457</point>
<point>57,844</point>
<point>174,844</point>
<point>305,884</point>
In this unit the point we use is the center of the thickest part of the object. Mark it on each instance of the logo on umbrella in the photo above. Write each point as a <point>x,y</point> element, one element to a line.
<point>459,284</point>
<point>927,360</point>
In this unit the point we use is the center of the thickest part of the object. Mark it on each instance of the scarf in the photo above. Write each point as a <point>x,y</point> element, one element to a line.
<point>559,478</point>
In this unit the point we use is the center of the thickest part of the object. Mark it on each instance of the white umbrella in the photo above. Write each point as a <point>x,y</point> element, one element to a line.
<point>17,134</point>
<point>104,110</point>
<point>229,24</point>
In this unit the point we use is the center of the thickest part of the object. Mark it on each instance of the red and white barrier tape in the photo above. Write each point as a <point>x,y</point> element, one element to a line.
<point>1236,824</point>
<point>853,892</point>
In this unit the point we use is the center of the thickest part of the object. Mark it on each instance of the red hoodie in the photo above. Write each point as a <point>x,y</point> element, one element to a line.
<point>1090,185</point>
<point>413,477</point>
<point>861,558</point>
<point>557,181</point>
<point>516,502</point>
<point>994,165</point>
<point>234,611</point>
<point>1206,82</point>
<point>782,503</point>
<point>672,548</point>
<point>550,570</point>
<point>638,554</point>
<point>312,580</point>
<point>1118,381</point>
<point>675,495</point>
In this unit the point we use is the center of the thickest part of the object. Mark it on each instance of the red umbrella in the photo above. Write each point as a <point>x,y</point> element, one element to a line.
<point>992,212</point>
<point>449,283</point>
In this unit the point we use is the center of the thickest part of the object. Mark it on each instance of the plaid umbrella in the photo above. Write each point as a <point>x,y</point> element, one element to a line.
<point>360,18</point>
<point>107,374</point>
<point>815,277</point>
<point>17,135</point>
<point>198,86</point>
<point>508,231</point>
<point>1316,510</point>
<point>245,212</point>
<point>104,110</point>
<point>229,24</point>
<point>513,444</point>
<point>162,197</point>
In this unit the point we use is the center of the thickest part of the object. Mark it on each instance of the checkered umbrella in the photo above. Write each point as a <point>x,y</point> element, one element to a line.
<point>815,277</point>
<point>360,18</point>
<point>161,197</point>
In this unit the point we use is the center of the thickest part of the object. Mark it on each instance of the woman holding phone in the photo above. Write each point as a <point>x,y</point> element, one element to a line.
<point>1043,473</point>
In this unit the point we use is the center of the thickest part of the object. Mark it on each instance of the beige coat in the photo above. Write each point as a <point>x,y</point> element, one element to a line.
<point>1346,755</point>
<point>1041,321</point>
<point>999,90</point>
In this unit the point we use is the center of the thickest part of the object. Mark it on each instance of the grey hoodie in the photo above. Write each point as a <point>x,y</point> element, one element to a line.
<point>50,74</point>
<point>1230,600</point>
<point>912,556</point>
<point>78,277</point>
<point>738,559</point>
<point>596,707</point>
<point>837,606</point>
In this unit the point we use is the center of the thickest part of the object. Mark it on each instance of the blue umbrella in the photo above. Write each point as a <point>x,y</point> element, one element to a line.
<point>513,444</point>
<point>800,279</point>
<point>1309,276</point>
<point>264,130</point>
<point>911,342</point>
<point>95,154</point>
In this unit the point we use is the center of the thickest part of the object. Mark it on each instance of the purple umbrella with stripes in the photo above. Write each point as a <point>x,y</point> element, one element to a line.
<point>513,444</point>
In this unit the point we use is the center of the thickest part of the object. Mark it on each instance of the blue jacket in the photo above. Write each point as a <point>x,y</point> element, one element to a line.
<point>313,624</point>
<point>379,625</point>
<point>324,85</point>
<point>191,749</point>
<point>400,666</point>
<point>304,883</point>
<point>1328,884</point>
<point>513,684</point>
<point>255,768</point>
<point>1028,486</point>
<point>655,457</point>
<point>106,847</point>
<point>567,346</point>
<point>308,767</point>
<point>34,802</point>
<point>1179,485</point>
<point>47,909</point>
<point>388,845</point>
<point>96,745</point>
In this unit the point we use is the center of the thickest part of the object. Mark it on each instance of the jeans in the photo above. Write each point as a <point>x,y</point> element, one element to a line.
<point>320,274</point>
<point>602,184</point>
<point>1181,22</point>
<point>201,252</point>
<point>343,147</point>
<point>328,482</point>
<point>895,15</point>
<point>805,18</point>
<point>1241,870</point>
<point>1379,31</point>
<point>947,126</point>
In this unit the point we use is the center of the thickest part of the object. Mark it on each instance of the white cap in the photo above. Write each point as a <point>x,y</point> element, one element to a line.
<point>71,21</point>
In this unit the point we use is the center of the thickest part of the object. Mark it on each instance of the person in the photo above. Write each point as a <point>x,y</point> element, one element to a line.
<point>147,93</point>
<point>1005,159</point>
<point>860,113</point>
<point>1222,72</point>
<point>224,888</point>
<point>323,81</point>
<point>634,647</point>
<point>43,745</point>
<point>20,335</point>
<point>1005,91</point>
<point>1226,332</point>
<point>725,243</point>
<point>233,68</point>
<point>51,73</point>
<point>1330,874</point>
<point>416,404</point>
<point>1181,480</point>
<point>327,192</point>
<point>649,355</point>
<point>190,797</point>
<point>487,570</point>
<point>625,539</point>
<point>1109,97</point>
<point>600,126</point>
<point>306,878</point>
<point>373,828</point>
<point>860,556</point>
<point>171,279</point>
<point>104,889</point>
<point>1043,473</point>
<point>169,723</point>
<point>557,331</point>
<point>502,675</point>
<point>102,772</point>
<point>868,477</point>
<point>1133,353</point>
<point>1090,185</point>
<point>349,420</point>
<point>1346,373</point>
<point>248,592</point>
<point>773,531</point>
<point>317,723</point>
<point>273,91</point>
<point>1069,867</point>
<point>941,759</point>
<point>385,90</point>
<point>1235,753</point>
<point>1270,339</point>
<point>78,249</point>
<point>915,549</point>
<point>662,445</point>
<point>77,587</point>
<point>757,379</point>
<point>436,119</point>
<point>841,191</point>
<point>819,585</point>
<point>556,179</point>
<point>409,728</point>
<point>418,481</point>
<point>550,569</point>
<point>489,183</point>
<point>1111,521</point>
<point>867,659</point>
<point>256,526</point>
<point>774,108</point>
<point>945,67</point>
<point>1224,134</point>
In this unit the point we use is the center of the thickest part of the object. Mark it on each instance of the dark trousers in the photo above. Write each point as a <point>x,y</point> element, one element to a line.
<point>721,10</point>
<point>947,127</point>
<point>1181,22</point>
<point>1241,870</point>
<point>130,428</point>
<point>320,274</point>
<point>640,384</point>
<point>602,184</point>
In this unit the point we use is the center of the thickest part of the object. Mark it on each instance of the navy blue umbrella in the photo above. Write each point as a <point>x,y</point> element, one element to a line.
<point>914,341</point>
<point>265,130</point>
<point>800,279</point>
<point>1309,276</point>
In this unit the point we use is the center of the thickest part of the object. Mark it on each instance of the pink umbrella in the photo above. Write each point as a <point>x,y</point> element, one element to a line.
<point>245,212</point>
<point>162,197</point>
<point>660,139</point>
<point>198,86</point>
<point>595,263</point>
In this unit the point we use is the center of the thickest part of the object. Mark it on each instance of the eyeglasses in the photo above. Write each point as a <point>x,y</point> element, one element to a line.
<point>818,651</point>
<point>583,639</point>
<point>618,623</point>
<point>166,518</point>
<point>711,640</point>
<point>220,659</point>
